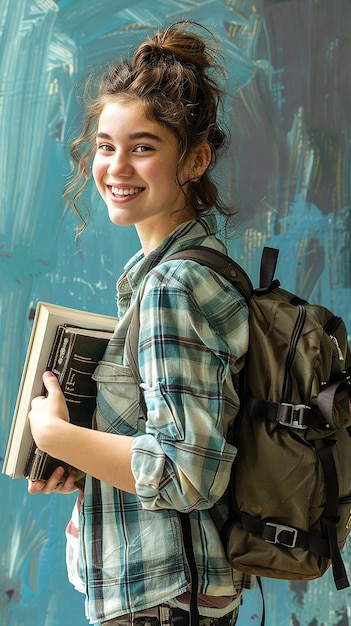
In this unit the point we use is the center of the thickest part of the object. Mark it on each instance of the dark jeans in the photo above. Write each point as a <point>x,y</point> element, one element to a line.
<point>164,615</point>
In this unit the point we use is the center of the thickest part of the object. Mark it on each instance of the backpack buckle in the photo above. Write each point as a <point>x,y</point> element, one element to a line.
<point>288,538</point>
<point>292,415</point>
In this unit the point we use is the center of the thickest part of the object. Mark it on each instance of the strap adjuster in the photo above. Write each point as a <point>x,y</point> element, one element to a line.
<point>292,415</point>
<point>289,538</point>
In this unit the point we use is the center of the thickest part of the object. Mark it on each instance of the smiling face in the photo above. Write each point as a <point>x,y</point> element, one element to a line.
<point>135,169</point>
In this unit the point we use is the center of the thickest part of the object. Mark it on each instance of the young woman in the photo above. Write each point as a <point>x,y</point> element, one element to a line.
<point>152,137</point>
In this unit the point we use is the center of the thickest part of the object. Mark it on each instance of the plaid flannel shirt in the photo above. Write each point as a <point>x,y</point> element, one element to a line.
<point>193,337</point>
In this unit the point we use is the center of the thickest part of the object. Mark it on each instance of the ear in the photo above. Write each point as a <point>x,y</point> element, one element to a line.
<point>199,161</point>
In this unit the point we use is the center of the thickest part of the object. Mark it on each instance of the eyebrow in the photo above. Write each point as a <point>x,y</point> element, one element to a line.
<point>133,136</point>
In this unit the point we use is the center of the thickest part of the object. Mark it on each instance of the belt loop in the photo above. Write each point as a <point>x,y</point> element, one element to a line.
<point>164,612</point>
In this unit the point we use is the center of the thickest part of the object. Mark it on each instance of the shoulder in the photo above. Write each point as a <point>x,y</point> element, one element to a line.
<point>186,283</point>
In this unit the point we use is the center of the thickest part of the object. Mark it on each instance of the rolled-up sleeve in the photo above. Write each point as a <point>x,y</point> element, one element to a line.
<point>193,338</point>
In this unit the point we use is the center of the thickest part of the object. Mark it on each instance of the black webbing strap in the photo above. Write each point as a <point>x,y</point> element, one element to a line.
<point>260,586</point>
<point>284,535</point>
<point>298,415</point>
<point>326,398</point>
<point>189,551</point>
<point>267,269</point>
<point>218,262</point>
<point>331,518</point>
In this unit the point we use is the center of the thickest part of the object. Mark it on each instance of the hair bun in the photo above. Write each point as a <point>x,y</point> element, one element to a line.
<point>153,53</point>
<point>175,45</point>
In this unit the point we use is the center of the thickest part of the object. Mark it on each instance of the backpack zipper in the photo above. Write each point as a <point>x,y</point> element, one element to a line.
<point>287,388</point>
<point>338,349</point>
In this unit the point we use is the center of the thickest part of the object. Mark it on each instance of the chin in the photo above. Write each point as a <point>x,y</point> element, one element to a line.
<point>119,220</point>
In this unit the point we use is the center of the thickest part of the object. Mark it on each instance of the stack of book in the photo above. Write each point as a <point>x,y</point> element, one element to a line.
<point>70,343</point>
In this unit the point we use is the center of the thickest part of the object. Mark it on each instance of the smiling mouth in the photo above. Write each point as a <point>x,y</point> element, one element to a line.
<point>121,193</point>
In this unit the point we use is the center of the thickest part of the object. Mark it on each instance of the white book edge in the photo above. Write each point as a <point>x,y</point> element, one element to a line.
<point>46,320</point>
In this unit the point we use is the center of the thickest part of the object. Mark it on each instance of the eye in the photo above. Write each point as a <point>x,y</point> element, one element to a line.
<point>142,149</point>
<point>105,147</point>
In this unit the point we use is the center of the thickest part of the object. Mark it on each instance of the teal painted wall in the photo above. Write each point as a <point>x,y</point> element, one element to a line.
<point>288,108</point>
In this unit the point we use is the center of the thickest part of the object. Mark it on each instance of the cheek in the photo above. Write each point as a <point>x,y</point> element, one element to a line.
<point>163,174</point>
<point>94,169</point>
<point>97,169</point>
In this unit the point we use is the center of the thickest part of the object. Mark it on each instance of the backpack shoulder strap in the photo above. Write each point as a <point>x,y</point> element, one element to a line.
<point>215,260</point>
<point>220,263</point>
<point>234,273</point>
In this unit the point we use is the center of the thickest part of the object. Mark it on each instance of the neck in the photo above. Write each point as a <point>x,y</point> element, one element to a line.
<point>151,236</point>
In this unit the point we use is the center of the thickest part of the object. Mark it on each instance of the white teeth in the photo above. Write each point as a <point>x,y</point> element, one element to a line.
<point>125,192</point>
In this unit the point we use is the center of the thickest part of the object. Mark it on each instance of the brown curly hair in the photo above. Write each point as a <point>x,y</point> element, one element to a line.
<point>175,75</point>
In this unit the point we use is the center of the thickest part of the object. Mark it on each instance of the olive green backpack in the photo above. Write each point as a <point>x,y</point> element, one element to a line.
<point>290,487</point>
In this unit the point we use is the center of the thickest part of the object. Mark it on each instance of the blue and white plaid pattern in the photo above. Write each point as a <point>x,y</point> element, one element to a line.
<point>193,335</point>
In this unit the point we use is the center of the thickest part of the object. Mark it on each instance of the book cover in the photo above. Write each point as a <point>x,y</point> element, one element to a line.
<point>70,343</point>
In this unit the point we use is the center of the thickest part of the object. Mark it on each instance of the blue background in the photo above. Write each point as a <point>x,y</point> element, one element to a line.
<point>288,168</point>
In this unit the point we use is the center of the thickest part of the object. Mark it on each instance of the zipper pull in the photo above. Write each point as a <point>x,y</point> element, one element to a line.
<point>338,349</point>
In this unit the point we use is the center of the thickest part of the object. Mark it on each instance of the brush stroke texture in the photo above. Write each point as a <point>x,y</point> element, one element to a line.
<point>289,112</point>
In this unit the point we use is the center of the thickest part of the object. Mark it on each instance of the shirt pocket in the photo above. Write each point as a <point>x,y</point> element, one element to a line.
<point>118,399</point>
<point>163,412</point>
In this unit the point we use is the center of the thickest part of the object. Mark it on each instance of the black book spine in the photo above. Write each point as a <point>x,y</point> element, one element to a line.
<point>74,363</point>
<point>73,359</point>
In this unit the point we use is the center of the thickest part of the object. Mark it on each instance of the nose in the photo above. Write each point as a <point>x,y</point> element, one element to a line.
<point>120,164</point>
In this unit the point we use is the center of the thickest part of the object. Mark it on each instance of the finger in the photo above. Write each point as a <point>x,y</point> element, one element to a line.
<point>36,402</point>
<point>58,483</point>
<point>54,482</point>
<point>68,485</point>
<point>48,486</point>
<point>35,486</point>
<point>51,383</point>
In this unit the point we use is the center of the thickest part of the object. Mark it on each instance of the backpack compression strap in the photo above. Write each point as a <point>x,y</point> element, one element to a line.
<point>330,519</point>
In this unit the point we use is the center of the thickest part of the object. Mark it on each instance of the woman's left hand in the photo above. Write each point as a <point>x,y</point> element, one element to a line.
<point>104,455</point>
<point>45,411</point>
<point>56,483</point>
